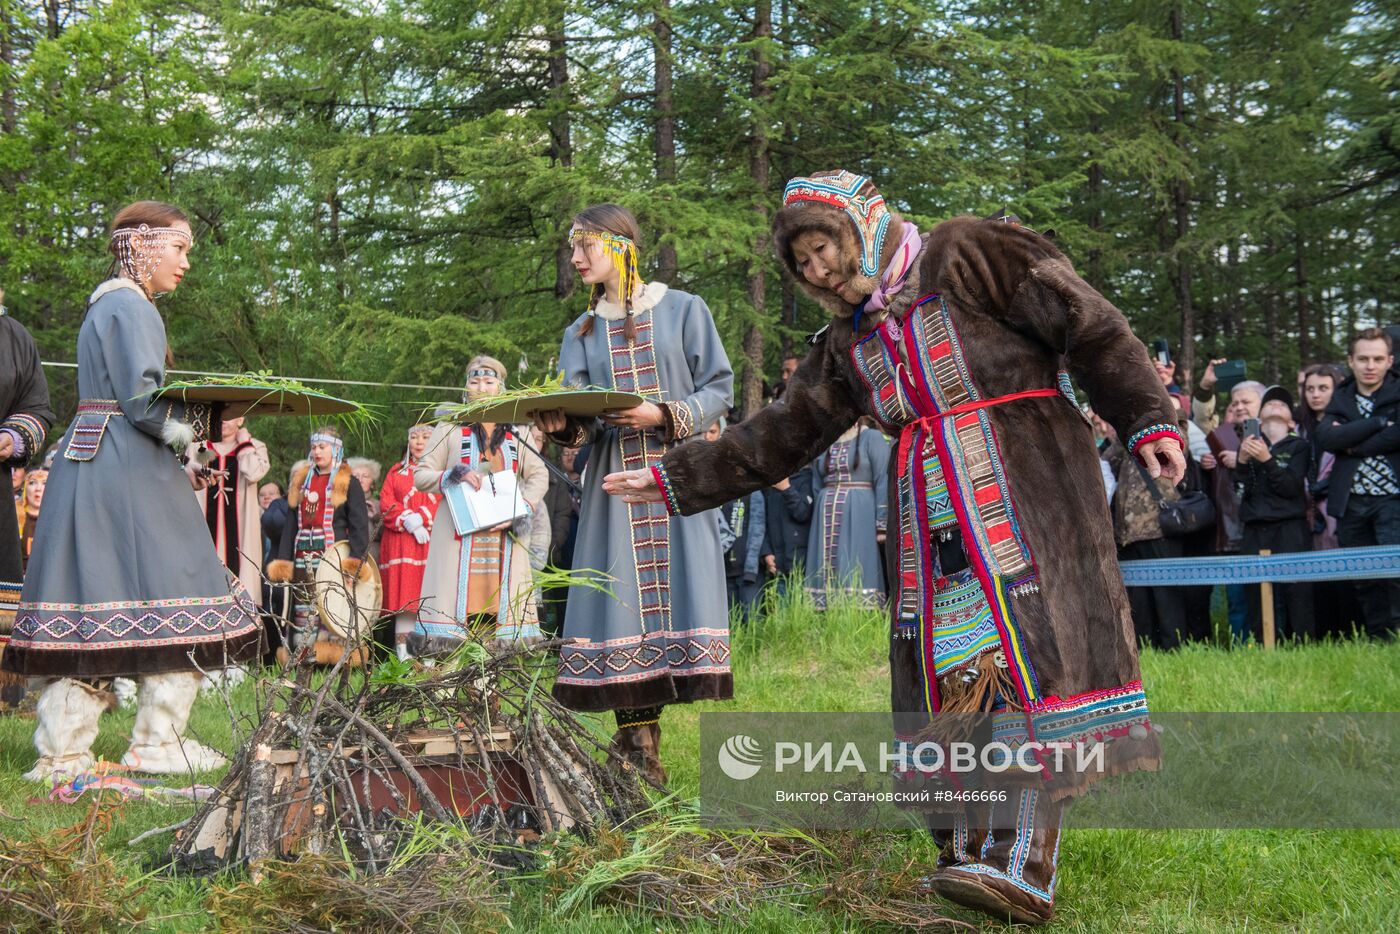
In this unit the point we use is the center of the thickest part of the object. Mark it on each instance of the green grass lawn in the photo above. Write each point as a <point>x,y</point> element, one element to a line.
<point>1110,881</point>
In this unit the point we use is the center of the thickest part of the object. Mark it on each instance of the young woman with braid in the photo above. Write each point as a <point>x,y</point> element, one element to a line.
<point>662,635</point>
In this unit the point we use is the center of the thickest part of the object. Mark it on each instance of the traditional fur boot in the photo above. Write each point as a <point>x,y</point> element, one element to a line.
<point>638,741</point>
<point>158,741</point>
<point>1013,877</point>
<point>963,842</point>
<point>68,712</point>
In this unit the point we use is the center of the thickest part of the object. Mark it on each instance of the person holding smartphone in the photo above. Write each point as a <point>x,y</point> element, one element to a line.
<point>1273,469</point>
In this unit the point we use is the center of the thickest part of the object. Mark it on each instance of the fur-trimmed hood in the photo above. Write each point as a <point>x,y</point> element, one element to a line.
<point>803,216</point>
<point>340,486</point>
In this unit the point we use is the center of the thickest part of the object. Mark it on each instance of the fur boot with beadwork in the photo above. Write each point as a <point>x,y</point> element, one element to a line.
<point>67,712</point>
<point>158,741</point>
<point>1013,876</point>
<point>962,843</point>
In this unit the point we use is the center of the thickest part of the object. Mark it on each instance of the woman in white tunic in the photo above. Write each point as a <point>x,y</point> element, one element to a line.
<point>482,581</point>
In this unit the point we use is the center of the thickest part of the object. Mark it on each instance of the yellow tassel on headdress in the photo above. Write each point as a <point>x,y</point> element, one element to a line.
<point>623,253</point>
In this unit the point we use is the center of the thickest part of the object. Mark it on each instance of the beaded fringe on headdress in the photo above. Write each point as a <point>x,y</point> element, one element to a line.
<point>138,264</point>
<point>623,252</point>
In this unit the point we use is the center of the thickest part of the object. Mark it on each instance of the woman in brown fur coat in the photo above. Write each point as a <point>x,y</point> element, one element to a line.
<point>1006,597</point>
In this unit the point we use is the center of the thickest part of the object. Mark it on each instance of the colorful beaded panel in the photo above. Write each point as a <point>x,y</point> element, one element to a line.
<point>668,492</point>
<point>95,626</point>
<point>641,658</point>
<point>1152,433</point>
<point>877,368</point>
<point>89,427</point>
<point>1093,715</point>
<point>682,421</point>
<point>634,370</point>
<point>961,626</point>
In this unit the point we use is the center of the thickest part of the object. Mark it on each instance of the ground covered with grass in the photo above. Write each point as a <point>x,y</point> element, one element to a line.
<point>793,659</point>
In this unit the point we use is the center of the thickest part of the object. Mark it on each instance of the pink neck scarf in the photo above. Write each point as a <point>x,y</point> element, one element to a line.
<point>897,272</point>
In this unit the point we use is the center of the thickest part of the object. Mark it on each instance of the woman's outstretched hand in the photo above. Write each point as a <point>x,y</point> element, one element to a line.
<point>634,486</point>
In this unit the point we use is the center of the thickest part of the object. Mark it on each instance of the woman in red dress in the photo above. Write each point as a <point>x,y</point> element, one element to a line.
<point>408,525</point>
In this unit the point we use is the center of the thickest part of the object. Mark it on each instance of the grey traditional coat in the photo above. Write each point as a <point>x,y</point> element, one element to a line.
<point>849,485</point>
<point>662,635</point>
<point>123,578</point>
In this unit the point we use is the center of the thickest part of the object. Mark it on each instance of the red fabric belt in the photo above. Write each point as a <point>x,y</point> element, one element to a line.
<point>928,421</point>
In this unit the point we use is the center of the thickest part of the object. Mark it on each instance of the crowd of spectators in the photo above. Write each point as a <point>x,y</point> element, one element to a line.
<point>1284,469</point>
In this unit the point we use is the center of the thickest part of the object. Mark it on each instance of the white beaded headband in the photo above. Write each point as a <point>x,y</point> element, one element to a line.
<point>138,264</point>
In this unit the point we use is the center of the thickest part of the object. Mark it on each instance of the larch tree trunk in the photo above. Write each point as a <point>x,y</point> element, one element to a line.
<point>561,147</point>
<point>751,398</point>
<point>1300,281</point>
<point>666,261</point>
<point>1181,204</point>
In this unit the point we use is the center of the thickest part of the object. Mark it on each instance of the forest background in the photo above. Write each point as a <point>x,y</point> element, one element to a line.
<point>381,189</point>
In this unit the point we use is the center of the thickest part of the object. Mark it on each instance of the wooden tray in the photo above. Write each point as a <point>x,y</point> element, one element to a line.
<point>241,401</point>
<point>579,403</point>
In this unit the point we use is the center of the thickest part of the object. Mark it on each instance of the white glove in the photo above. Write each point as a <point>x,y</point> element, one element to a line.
<point>413,525</point>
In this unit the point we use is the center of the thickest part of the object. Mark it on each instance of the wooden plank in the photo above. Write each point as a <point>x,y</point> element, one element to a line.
<point>429,744</point>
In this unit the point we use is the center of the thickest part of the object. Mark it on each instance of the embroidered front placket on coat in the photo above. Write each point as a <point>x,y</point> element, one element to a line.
<point>953,491</point>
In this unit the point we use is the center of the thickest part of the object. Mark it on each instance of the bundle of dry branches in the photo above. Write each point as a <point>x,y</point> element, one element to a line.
<point>353,730</point>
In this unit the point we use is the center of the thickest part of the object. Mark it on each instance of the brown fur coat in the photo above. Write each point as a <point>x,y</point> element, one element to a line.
<point>1021,316</point>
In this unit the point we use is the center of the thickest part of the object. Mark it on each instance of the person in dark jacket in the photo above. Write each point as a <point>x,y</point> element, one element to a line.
<point>1362,428</point>
<point>328,506</point>
<point>561,505</point>
<point>747,555</point>
<point>25,419</point>
<point>789,516</point>
<point>1273,471</point>
<point>275,516</point>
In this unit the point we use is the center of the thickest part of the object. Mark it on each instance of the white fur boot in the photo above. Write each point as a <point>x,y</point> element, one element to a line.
<point>217,680</point>
<point>125,689</point>
<point>158,742</point>
<point>68,712</point>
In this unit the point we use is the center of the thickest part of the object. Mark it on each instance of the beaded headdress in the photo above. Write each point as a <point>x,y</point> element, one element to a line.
<point>482,365</point>
<point>623,253</point>
<point>337,455</point>
<point>138,264</point>
<point>422,428</point>
<point>858,197</point>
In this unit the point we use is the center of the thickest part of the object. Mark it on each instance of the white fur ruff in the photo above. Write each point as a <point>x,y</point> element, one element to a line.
<point>177,434</point>
<point>645,299</point>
